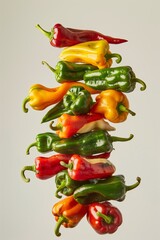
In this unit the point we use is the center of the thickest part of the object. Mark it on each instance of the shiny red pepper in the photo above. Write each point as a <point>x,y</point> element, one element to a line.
<point>46,167</point>
<point>104,217</point>
<point>61,36</point>
<point>81,168</point>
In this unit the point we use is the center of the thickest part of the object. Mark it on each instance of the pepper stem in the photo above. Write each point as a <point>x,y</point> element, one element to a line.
<point>59,189</point>
<point>120,139</point>
<point>122,108</point>
<point>25,101</point>
<point>51,68</point>
<point>46,33</point>
<point>107,219</point>
<point>143,87</point>
<point>67,165</point>
<point>128,188</point>
<point>56,127</point>
<point>31,145</point>
<point>28,168</point>
<point>60,221</point>
<point>112,55</point>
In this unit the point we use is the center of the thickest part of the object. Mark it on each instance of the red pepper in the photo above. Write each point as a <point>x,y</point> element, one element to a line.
<point>46,167</point>
<point>68,125</point>
<point>61,36</point>
<point>81,168</point>
<point>104,217</point>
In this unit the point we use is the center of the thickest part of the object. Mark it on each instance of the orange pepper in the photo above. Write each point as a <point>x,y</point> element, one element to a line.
<point>41,97</point>
<point>114,105</point>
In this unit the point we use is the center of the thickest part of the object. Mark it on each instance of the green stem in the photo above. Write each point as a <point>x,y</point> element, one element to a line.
<point>59,189</point>
<point>46,33</point>
<point>51,68</point>
<point>28,168</point>
<point>67,165</point>
<point>107,219</point>
<point>128,188</point>
<point>60,221</point>
<point>25,101</point>
<point>31,145</point>
<point>120,139</point>
<point>112,55</point>
<point>141,82</point>
<point>58,127</point>
<point>122,108</point>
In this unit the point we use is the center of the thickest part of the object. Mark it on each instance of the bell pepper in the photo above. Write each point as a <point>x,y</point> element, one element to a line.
<point>68,212</point>
<point>46,167</point>
<point>111,188</point>
<point>40,97</point>
<point>69,72</point>
<point>68,125</point>
<point>96,53</point>
<point>76,101</point>
<point>61,36</point>
<point>81,144</point>
<point>104,217</point>
<point>119,78</point>
<point>81,168</point>
<point>113,104</point>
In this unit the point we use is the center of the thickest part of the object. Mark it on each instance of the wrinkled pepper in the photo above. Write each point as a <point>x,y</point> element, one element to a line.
<point>61,36</point>
<point>113,104</point>
<point>40,97</point>
<point>69,72</point>
<point>68,212</point>
<point>111,188</point>
<point>81,144</point>
<point>68,125</point>
<point>76,101</point>
<point>104,217</point>
<point>119,78</point>
<point>46,167</point>
<point>96,53</point>
<point>81,168</point>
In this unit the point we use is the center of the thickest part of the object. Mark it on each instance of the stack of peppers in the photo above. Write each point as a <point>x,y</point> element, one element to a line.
<point>91,96</point>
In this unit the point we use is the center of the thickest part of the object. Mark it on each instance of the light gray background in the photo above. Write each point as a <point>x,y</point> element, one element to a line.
<point>25,209</point>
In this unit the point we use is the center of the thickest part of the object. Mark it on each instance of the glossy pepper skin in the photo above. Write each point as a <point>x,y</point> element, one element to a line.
<point>96,53</point>
<point>104,217</point>
<point>68,212</point>
<point>81,168</point>
<point>119,78</point>
<point>69,72</point>
<point>61,36</point>
<point>113,104</point>
<point>81,144</point>
<point>111,188</point>
<point>41,97</point>
<point>46,167</point>
<point>76,101</point>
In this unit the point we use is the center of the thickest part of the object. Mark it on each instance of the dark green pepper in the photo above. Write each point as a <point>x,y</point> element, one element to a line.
<point>85,144</point>
<point>65,184</point>
<point>68,72</point>
<point>76,101</point>
<point>119,78</point>
<point>111,188</point>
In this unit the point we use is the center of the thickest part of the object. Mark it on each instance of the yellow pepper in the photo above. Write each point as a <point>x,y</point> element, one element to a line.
<point>114,105</point>
<point>93,52</point>
<point>40,97</point>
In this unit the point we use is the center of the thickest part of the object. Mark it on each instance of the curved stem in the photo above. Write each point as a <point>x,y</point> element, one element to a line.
<point>67,165</point>
<point>56,127</point>
<point>51,68</point>
<point>107,219</point>
<point>59,189</point>
<point>128,188</point>
<point>31,145</point>
<point>122,108</point>
<point>46,33</point>
<point>60,221</point>
<point>143,87</point>
<point>112,55</point>
<point>25,101</point>
<point>120,139</point>
<point>28,168</point>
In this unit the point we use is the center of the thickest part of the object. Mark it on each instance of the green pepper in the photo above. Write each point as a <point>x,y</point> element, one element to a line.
<point>119,78</point>
<point>65,184</point>
<point>85,144</point>
<point>68,72</point>
<point>111,188</point>
<point>76,101</point>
